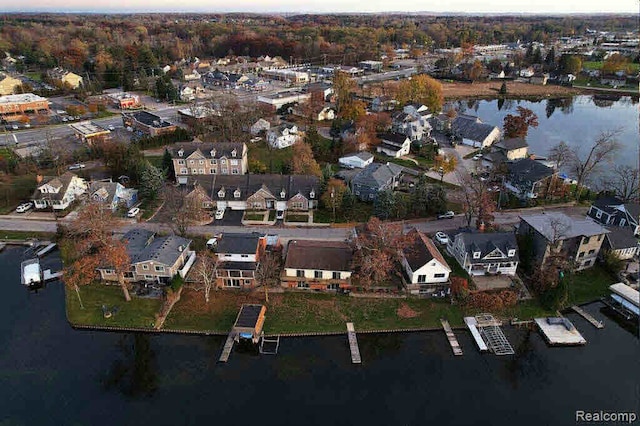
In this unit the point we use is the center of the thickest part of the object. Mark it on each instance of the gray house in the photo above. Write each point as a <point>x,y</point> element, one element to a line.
<point>374,178</point>
<point>474,132</point>
<point>528,178</point>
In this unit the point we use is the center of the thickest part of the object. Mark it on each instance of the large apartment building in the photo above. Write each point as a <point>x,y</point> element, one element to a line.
<point>209,158</point>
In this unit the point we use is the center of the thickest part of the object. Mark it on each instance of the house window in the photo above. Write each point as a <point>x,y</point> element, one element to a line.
<point>371,196</point>
<point>587,263</point>
<point>181,162</point>
<point>600,237</point>
<point>194,171</point>
<point>223,161</point>
<point>317,274</point>
<point>232,283</point>
<point>201,171</point>
<point>244,255</point>
<point>333,286</point>
<point>235,274</point>
<point>191,162</point>
<point>214,162</point>
<point>598,214</point>
<point>422,278</point>
<point>109,271</point>
<point>201,162</point>
<point>148,277</point>
<point>212,171</point>
<point>476,255</point>
<point>184,171</point>
<point>145,267</point>
<point>585,240</point>
<point>225,171</point>
<point>335,275</point>
<point>227,255</point>
<point>159,268</point>
<point>234,171</point>
<point>591,251</point>
<point>512,252</point>
<point>438,275</point>
<point>233,154</point>
<point>303,285</point>
<point>233,162</point>
<point>581,254</point>
<point>221,193</point>
<point>180,153</point>
<point>623,222</point>
<point>299,273</point>
<point>247,282</point>
<point>236,193</point>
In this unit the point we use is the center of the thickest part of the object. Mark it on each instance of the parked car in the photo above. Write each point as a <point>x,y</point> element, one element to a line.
<point>447,215</point>
<point>256,139</point>
<point>133,212</point>
<point>280,214</point>
<point>442,238</point>
<point>77,166</point>
<point>23,207</point>
<point>111,127</point>
<point>14,127</point>
<point>219,214</point>
<point>477,157</point>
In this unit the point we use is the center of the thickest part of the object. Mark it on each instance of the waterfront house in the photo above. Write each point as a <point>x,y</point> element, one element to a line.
<point>208,158</point>
<point>512,148</point>
<point>153,258</point>
<point>58,192</point>
<point>621,242</point>
<point>317,265</point>
<point>112,195</point>
<point>394,144</point>
<point>412,121</point>
<point>611,211</point>
<point>426,271</point>
<point>472,131</point>
<point>283,136</point>
<point>529,178</point>
<point>375,177</point>
<point>486,253</point>
<point>358,160</point>
<point>579,239</point>
<point>238,257</point>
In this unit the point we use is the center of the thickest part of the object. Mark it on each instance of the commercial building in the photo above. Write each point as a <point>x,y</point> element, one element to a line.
<point>22,104</point>
<point>149,124</point>
<point>87,131</point>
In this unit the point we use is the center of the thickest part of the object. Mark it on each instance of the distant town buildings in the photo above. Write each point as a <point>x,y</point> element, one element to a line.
<point>23,104</point>
<point>147,123</point>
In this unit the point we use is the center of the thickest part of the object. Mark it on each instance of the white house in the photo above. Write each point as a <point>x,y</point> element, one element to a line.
<point>358,160</point>
<point>490,253</point>
<point>238,257</point>
<point>426,269</point>
<point>283,136</point>
<point>58,192</point>
<point>194,75</point>
<point>394,144</point>
<point>412,121</point>
<point>261,125</point>
<point>187,94</point>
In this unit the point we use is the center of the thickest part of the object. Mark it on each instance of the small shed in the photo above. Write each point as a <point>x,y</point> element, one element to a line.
<point>249,322</point>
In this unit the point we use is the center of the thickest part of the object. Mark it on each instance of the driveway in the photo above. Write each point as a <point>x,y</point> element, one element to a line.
<point>230,218</point>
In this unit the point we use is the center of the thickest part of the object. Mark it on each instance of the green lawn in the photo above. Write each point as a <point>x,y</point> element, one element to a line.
<point>25,235</point>
<point>253,216</point>
<point>596,65</point>
<point>591,284</point>
<point>456,269</point>
<point>149,207</point>
<point>35,76</point>
<point>297,218</point>
<point>136,313</point>
<point>155,160</point>
<point>275,160</point>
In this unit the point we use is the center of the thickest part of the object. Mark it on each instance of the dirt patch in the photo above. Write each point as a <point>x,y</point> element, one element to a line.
<point>404,311</point>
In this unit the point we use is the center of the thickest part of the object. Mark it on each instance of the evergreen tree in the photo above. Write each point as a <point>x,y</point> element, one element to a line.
<point>384,205</point>
<point>151,181</point>
<point>348,204</point>
<point>503,88</point>
<point>167,165</point>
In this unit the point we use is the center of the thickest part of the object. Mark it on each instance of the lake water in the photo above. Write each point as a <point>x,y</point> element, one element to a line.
<point>51,374</point>
<point>578,121</point>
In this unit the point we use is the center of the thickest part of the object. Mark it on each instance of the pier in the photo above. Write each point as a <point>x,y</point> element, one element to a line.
<point>471,324</point>
<point>47,275</point>
<point>228,346</point>
<point>45,250</point>
<point>248,326</point>
<point>455,346</point>
<point>559,331</point>
<point>353,344</point>
<point>492,334</point>
<point>588,317</point>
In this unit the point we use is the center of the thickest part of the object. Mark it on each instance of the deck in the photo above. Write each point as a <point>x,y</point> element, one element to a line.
<point>353,344</point>
<point>228,347</point>
<point>471,324</point>
<point>45,250</point>
<point>588,317</point>
<point>455,346</point>
<point>559,331</point>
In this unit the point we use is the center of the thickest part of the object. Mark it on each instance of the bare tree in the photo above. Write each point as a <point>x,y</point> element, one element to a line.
<point>478,201</point>
<point>185,209</point>
<point>205,271</point>
<point>560,154</point>
<point>623,182</point>
<point>602,150</point>
<point>268,271</point>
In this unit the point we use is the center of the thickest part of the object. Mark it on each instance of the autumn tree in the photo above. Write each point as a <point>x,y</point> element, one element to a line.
<point>343,87</point>
<point>205,273</point>
<point>614,63</point>
<point>478,201</point>
<point>517,126</point>
<point>602,151</point>
<point>422,89</point>
<point>303,162</point>
<point>91,245</point>
<point>268,270</point>
<point>445,164</point>
<point>377,247</point>
<point>333,195</point>
<point>570,64</point>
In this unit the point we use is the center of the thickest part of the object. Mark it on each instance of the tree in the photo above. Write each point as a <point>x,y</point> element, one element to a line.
<point>185,209</point>
<point>616,62</point>
<point>91,244</point>
<point>622,181</point>
<point>560,154</point>
<point>517,126</point>
<point>167,165</point>
<point>422,89</point>
<point>602,151</point>
<point>333,195</point>
<point>268,270</point>
<point>303,162</point>
<point>478,202</point>
<point>550,59</point>
<point>343,86</point>
<point>445,164</point>
<point>205,272</point>
<point>377,249</point>
<point>384,204</point>
<point>151,181</point>
<point>503,88</point>
<point>570,64</point>
<point>475,71</point>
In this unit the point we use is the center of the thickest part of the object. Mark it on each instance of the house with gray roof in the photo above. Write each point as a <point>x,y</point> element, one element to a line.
<point>580,239</point>
<point>208,158</point>
<point>472,131</point>
<point>153,258</point>
<point>622,242</point>
<point>528,178</point>
<point>112,195</point>
<point>283,136</point>
<point>512,148</point>
<point>394,144</point>
<point>58,192</point>
<point>486,253</point>
<point>412,121</point>
<point>358,160</point>
<point>376,177</point>
<point>238,258</point>
<point>612,211</point>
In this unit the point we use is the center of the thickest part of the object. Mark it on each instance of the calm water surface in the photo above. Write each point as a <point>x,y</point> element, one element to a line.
<point>51,374</point>
<point>578,121</point>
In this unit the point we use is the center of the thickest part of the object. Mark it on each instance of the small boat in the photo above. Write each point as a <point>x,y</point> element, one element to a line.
<point>31,273</point>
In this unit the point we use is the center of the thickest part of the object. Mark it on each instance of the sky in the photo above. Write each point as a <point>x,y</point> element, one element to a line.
<point>326,6</point>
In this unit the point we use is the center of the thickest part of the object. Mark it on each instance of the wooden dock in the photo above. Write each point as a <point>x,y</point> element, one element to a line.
<point>45,250</point>
<point>228,346</point>
<point>353,344</point>
<point>455,346</point>
<point>586,315</point>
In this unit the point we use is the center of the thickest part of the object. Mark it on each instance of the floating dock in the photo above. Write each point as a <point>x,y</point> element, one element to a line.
<point>353,344</point>
<point>588,317</point>
<point>31,272</point>
<point>559,331</point>
<point>47,275</point>
<point>455,346</point>
<point>471,324</point>
<point>228,346</point>
<point>269,345</point>
<point>45,250</point>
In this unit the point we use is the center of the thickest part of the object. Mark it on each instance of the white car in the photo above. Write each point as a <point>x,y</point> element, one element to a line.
<point>477,157</point>
<point>442,238</point>
<point>133,212</point>
<point>77,166</point>
<point>219,214</point>
<point>111,127</point>
<point>23,207</point>
<point>447,215</point>
<point>256,139</point>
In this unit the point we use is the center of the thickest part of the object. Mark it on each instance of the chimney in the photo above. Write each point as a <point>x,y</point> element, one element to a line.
<point>39,179</point>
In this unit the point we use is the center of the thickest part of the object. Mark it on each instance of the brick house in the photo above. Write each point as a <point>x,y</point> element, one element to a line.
<point>208,158</point>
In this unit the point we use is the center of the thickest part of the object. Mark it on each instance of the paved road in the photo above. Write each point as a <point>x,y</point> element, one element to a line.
<point>429,226</point>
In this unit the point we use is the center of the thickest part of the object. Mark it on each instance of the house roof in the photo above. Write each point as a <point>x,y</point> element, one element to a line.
<point>105,191</point>
<point>621,238</point>
<point>222,149</point>
<point>470,127</point>
<point>165,250</point>
<point>496,157</point>
<point>421,250</point>
<point>147,118</point>
<point>236,243</point>
<point>511,144</point>
<point>393,138</point>
<point>136,240</point>
<point>319,255</point>
<point>557,225</point>
<point>250,183</point>
<point>485,243</point>
<point>528,170</point>
<point>61,182</point>
<point>376,175</point>
<point>363,155</point>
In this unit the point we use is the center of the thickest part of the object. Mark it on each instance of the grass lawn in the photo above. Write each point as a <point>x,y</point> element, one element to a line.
<point>253,216</point>
<point>25,235</point>
<point>275,160</point>
<point>591,284</point>
<point>596,65</point>
<point>297,218</point>
<point>443,183</point>
<point>149,207</point>
<point>155,160</point>
<point>137,313</point>
<point>35,76</point>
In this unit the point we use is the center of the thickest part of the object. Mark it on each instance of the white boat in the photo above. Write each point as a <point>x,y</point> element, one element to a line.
<point>31,273</point>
